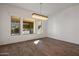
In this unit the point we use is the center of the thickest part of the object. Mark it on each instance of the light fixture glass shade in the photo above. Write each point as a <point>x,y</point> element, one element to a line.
<point>40,17</point>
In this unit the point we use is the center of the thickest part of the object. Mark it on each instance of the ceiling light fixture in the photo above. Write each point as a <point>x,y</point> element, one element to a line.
<point>39,16</point>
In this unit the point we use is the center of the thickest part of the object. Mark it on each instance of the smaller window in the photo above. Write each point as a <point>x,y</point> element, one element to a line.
<point>39,27</point>
<point>15,25</point>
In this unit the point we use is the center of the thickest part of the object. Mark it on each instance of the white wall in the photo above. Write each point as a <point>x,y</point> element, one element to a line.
<point>6,11</point>
<point>0,25</point>
<point>65,25</point>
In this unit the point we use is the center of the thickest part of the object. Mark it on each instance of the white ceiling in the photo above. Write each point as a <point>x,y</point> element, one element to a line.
<point>47,8</point>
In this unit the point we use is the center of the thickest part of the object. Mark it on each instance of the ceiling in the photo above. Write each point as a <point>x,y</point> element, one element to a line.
<point>46,8</point>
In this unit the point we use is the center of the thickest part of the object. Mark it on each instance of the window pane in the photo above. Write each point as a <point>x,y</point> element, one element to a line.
<point>39,27</point>
<point>28,27</point>
<point>15,25</point>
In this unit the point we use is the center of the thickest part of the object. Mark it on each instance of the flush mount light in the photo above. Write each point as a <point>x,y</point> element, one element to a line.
<point>39,16</point>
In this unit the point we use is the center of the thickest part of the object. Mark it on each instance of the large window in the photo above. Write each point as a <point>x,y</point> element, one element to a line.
<point>25,26</point>
<point>15,25</point>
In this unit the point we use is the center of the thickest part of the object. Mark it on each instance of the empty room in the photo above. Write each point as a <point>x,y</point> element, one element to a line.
<point>39,29</point>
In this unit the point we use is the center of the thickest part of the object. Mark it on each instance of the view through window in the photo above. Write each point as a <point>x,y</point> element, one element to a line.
<point>28,27</point>
<point>15,25</point>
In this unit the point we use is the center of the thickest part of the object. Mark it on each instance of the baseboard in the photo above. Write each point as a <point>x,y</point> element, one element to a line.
<point>22,41</point>
<point>54,37</point>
